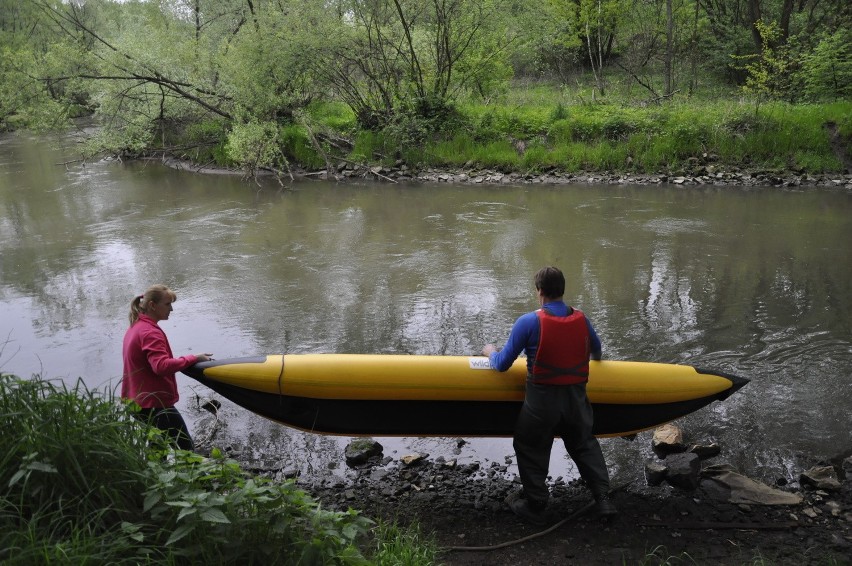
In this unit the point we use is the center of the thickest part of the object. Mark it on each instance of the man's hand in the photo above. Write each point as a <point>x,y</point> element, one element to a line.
<point>489,349</point>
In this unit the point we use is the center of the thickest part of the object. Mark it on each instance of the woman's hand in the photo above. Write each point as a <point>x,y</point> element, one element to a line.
<point>204,357</point>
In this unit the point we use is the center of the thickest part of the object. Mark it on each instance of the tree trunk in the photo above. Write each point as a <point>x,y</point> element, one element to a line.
<point>669,47</point>
<point>786,12</point>
<point>693,52</point>
<point>754,17</point>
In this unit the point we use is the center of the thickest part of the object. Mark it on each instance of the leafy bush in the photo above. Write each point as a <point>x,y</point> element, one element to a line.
<point>369,146</point>
<point>295,144</point>
<point>587,126</point>
<point>81,481</point>
<point>560,131</point>
<point>255,145</point>
<point>826,72</point>
<point>538,157</point>
<point>219,513</point>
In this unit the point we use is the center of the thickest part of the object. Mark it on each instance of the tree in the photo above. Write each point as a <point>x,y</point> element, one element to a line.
<point>767,72</point>
<point>591,26</point>
<point>266,67</point>
<point>392,59</point>
<point>826,71</point>
<point>30,53</point>
<point>158,69</point>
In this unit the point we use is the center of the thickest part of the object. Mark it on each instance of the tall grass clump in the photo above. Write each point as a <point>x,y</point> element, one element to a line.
<point>370,147</point>
<point>455,151</point>
<point>82,482</point>
<point>333,115</point>
<point>296,143</point>
<point>403,546</point>
<point>71,470</point>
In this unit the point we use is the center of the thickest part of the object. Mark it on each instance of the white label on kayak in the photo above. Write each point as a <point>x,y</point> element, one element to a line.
<point>479,363</point>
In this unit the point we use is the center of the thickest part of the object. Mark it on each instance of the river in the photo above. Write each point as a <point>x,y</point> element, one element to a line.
<point>749,281</point>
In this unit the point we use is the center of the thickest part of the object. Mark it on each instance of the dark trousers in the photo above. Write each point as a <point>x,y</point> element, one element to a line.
<point>550,411</point>
<point>168,419</point>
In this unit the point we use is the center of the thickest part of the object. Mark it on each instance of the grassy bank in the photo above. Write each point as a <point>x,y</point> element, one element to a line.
<point>82,482</point>
<point>616,138</point>
<point>534,129</point>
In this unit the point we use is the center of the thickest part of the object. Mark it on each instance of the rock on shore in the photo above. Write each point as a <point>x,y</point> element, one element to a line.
<point>699,174</point>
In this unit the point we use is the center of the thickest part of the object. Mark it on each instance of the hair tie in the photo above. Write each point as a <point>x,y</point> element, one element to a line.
<point>140,297</point>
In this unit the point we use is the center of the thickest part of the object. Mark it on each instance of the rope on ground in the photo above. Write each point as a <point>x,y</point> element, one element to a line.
<point>579,512</point>
<point>549,530</point>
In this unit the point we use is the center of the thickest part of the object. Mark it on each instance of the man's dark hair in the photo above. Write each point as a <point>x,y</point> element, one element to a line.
<point>551,282</point>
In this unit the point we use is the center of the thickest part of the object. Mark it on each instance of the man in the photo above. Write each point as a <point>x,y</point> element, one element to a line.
<point>559,341</point>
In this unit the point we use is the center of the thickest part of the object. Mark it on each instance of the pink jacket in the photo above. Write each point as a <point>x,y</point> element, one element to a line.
<point>149,368</point>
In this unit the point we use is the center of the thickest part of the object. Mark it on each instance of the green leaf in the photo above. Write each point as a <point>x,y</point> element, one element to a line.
<point>179,533</point>
<point>133,531</point>
<point>151,499</point>
<point>18,475</point>
<point>42,467</point>
<point>214,516</point>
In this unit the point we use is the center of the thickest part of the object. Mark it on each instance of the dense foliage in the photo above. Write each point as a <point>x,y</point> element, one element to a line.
<point>82,482</point>
<point>272,83</point>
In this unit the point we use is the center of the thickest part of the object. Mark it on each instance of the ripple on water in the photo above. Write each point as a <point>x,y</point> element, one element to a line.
<point>669,226</point>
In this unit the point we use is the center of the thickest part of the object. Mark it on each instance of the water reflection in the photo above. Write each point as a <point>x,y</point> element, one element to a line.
<point>754,282</point>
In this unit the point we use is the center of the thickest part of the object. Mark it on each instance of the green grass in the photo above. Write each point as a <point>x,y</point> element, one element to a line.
<point>82,482</point>
<point>534,127</point>
<point>646,140</point>
<point>403,546</point>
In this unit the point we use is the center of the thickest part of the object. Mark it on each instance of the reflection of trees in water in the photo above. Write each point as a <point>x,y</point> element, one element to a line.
<point>748,281</point>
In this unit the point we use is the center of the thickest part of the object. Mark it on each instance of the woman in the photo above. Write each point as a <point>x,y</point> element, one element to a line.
<point>149,366</point>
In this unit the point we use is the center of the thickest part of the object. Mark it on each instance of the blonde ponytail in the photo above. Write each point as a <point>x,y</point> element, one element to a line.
<point>154,294</point>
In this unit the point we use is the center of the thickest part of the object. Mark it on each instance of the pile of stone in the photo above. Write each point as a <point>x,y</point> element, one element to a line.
<point>701,175</point>
<point>681,465</point>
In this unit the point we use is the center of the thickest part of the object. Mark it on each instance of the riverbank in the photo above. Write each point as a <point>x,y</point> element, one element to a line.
<point>701,175</point>
<point>718,517</point>
<point>463,508</point>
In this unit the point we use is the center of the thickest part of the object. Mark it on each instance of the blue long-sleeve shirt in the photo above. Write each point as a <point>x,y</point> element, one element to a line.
<point>525,337</point>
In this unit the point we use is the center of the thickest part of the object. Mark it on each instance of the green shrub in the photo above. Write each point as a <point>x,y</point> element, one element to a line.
<point>333,115</point>
<point>559,113</point>
<point>82,482</point>
<point>500,155</point>
<point>255,145</point>
<point>560,131</point>
<point>616,127</point>
<point>587,127</point>
<point>295,144</point>
<point>538,157</point>
<point>456,151</point>
<point>826,72</point>
<point>369,146</point>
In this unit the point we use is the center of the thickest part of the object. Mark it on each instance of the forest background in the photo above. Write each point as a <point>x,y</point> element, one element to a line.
<point>639,86</point>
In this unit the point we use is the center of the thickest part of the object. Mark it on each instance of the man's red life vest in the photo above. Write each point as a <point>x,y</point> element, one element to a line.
<point>563,352</point>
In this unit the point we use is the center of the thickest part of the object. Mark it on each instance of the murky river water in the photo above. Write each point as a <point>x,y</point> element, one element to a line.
<point>754,282</point>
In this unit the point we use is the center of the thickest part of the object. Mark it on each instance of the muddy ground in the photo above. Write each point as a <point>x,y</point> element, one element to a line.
<point>463,508</point>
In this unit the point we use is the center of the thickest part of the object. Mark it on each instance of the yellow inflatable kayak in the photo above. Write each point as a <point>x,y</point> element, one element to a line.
<point>399,395</point>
